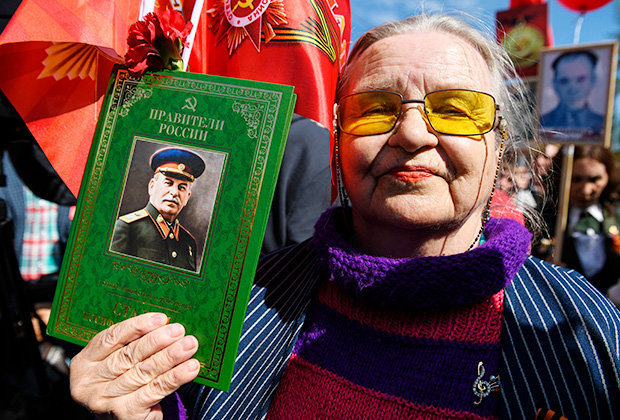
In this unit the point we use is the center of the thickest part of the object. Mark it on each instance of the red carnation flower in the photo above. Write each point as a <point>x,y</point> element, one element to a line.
<point>156,42</point>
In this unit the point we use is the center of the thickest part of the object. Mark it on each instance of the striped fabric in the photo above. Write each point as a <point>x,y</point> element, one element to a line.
<point>560,345</point>
<point>284,282</point>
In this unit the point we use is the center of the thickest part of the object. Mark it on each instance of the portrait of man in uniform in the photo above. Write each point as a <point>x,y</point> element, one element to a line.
<point>155,232</point>
<point>573,81</point>
<point>575,92</point>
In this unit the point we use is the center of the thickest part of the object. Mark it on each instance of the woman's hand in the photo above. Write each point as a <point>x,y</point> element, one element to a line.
<point>126,370</point>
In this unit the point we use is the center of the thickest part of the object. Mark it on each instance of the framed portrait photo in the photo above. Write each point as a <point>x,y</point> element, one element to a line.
<point>576,93</point>
<point>154,186</point>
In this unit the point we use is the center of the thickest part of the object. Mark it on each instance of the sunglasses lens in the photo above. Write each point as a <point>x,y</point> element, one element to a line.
<point>454,111</point>
<point>368,113</point>
<point>460,112</point>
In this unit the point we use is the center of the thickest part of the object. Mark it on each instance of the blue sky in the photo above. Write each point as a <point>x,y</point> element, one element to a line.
<point>599,25</point>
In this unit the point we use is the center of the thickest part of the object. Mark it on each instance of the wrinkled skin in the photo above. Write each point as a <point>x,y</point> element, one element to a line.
<point>414,191</point>
<point>169,195</point>
<point>126,370</point>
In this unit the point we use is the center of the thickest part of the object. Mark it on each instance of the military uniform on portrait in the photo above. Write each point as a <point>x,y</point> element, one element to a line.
<point>563,117</point>
<point>574,78</point>
<point>154,232</point>
<point>145,234</point>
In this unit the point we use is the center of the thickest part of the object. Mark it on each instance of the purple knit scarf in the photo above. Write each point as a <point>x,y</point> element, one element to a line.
<point>423,282</point>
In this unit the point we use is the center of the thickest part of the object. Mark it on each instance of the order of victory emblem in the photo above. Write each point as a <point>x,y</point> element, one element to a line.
<point>237,19</point>
<point>240,13</point>
<point>266,21</point>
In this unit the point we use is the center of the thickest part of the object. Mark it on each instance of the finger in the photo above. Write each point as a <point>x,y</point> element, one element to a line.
<point>159,363</point>
<point>128,393</point>
<point>123,333</point>
<point>145,403</point>
<point>167,383</point>
<point>156,413</point>
<point>127,357</point>
<point>148,370</point>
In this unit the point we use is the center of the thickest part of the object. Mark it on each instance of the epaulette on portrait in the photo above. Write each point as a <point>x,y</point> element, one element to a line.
<point>187,231</point>
<point>136,215</point>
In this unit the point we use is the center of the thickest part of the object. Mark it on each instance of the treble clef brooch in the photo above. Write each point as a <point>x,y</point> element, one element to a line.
<point>481,388</point>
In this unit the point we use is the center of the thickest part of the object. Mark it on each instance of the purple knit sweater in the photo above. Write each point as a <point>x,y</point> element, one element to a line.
<point>424,282</point>
<point>405,338</point>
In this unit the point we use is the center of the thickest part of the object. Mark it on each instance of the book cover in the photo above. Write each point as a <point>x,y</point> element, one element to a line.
<point>172,209</point>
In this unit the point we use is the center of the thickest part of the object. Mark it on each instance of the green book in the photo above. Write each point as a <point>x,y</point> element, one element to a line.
<point>172,209</point>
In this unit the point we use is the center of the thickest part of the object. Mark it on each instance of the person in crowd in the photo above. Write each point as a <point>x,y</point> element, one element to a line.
<point>525,195</point>
<point>573,81</point>
<point>502,204</point>
<point>302,192</point>
<point>592,238</point>
<point>408,301</point>
<point>39,205</point>
<point>543,173</point>
<point>505,182</point>
<point>36,210</point>
<point>155,232</point>
<point>543,166</point>
<point>41,225</point>
<point>546,171</point>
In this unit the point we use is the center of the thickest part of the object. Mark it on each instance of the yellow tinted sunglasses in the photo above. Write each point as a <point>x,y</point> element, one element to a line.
<point>456,112</point>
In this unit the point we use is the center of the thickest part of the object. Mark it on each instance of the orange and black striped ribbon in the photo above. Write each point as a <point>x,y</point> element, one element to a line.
<point>544,414</point>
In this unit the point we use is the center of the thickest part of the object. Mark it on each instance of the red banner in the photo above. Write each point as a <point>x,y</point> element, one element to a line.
<point>57,58</point>
<point>296,42</point>
<point>524,31</point>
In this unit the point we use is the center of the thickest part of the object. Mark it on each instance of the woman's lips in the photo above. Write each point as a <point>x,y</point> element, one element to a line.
<point>411,173</point>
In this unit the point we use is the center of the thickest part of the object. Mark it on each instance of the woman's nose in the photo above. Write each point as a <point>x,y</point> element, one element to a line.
<point>588,189</point>
<point>412,130</point>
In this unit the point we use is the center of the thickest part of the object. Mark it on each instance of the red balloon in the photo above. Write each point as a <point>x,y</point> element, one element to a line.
<point>583,5</point>
<point>518,3</point>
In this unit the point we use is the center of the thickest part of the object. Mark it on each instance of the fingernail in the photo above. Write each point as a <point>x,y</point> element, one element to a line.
<point>175,330</point>
<point>159,319</point>
<point>189,343</point>
<point>193,364</point>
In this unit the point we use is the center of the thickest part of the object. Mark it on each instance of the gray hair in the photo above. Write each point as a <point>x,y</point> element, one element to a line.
<point>507,88</point>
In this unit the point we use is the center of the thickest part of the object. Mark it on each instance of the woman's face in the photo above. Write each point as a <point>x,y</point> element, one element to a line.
<point>413,177</point>
<point>589,180</point>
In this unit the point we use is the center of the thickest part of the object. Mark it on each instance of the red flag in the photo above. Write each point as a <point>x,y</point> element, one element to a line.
<point>296,42</point>
<point>56,70</point>
<point>523,31</point>
<point>57,58</point>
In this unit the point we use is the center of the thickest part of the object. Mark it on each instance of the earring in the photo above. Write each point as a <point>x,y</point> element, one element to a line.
<point>342,193</point>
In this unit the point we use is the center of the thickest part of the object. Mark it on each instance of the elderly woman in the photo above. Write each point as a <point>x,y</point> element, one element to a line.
<point>410,302</point>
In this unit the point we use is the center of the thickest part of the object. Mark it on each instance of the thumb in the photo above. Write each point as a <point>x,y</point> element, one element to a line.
<point>155,414</point>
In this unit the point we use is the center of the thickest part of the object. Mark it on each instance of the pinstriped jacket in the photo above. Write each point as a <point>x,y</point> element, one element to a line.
<point>560,346</point>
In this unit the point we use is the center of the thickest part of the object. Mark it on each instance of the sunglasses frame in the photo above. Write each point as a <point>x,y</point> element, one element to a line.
<point>496,115</point>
